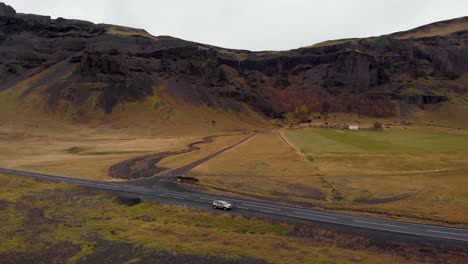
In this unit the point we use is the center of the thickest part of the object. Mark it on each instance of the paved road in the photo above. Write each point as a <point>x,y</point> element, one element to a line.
<point>245,207</point>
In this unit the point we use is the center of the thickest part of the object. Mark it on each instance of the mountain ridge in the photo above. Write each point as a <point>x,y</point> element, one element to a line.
<point>96,67</point>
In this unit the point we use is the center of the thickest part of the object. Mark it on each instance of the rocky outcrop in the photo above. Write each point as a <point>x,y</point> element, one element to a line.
<point>6,10</point>
<point>421,99</point>
<point>363,76</point>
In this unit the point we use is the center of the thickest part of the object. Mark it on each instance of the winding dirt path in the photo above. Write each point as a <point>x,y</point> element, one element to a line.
<point>388,199</point>
<point>184,169</point>
<point>145,166</point>
<point>162,180</point>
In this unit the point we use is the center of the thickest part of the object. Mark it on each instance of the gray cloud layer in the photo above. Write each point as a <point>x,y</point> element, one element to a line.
<point>255,24</point>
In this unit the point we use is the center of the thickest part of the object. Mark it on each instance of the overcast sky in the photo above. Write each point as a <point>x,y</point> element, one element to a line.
<point>254,24</point>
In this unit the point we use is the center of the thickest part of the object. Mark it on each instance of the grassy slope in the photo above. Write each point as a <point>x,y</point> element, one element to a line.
<point>128,32</point>
<point>329,43</point>
<point>64,214</point>
<point>440,28</point>
<point>156,115</point>
<point>37,137</point>
<point>367,166</point>
<point>451,113</point>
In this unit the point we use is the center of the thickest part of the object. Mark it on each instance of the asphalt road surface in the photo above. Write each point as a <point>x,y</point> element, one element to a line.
<point>248,208</point>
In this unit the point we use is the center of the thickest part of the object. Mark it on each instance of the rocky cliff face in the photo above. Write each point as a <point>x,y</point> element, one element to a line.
<point>76,60</point>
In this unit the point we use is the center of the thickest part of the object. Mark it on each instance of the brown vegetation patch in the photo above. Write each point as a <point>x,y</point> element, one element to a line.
<point>130,201</point>
<point>120,252</point>
<point>105,231</point>
<point>417,249</point>
<point>55,253</point>
<point>303,191</point>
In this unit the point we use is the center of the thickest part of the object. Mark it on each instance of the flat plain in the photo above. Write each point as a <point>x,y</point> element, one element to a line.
<point>415,172</point>
<point>77,225</point>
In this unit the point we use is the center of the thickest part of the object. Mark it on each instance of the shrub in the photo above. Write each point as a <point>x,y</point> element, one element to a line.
<point>302,114</point>
<point>377,126</point>
<point>310,158</point>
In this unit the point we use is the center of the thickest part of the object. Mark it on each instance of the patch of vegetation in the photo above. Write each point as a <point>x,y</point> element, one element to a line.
<point>301,114</point>
<point>310,158</point>
<point>436,29</point>
<point>415,173</point>
<point>377,126</point>
<point>164,108</point>
<point>36,215</point>
<point>233,53</point>
<point>396,141</point>
<point>128,32</point>
<point>330,43</point>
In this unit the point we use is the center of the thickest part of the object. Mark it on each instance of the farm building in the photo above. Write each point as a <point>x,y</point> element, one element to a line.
<point>353,127</point>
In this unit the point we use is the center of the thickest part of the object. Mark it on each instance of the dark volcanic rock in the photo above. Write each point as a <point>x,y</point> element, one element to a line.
<point>128,200</point>
<point>6,10</point>
<point>423,99</point>
<point>117,65</point>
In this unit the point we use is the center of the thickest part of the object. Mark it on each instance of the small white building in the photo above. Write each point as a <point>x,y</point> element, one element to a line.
<point>353,127</point>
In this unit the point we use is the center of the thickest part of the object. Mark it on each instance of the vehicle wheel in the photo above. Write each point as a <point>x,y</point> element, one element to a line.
<point>214,206</point>
<point>224,208</point>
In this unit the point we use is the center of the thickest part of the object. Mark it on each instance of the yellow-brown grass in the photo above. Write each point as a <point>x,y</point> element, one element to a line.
<point>441,28</point>
<point>127,32</point>
<point>329,43</point>
<point>87,154</point>
<point>70,214</point>
<point>264,165</point>
<point>205,150</point>
<point>36,137</point>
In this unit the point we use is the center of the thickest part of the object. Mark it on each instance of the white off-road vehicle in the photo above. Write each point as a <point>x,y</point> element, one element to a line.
<point>218,204</point>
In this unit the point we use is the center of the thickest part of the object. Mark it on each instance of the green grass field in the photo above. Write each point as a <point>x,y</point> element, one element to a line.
<point>417,172</point>
<point>390,141</point>
<point>413,173</point>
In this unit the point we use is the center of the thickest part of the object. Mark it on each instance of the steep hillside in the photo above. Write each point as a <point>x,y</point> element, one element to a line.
<point>85,72</point>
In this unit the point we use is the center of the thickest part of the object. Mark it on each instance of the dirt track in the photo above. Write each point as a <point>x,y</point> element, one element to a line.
<point>145,166</point>
<point>388,199</point>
